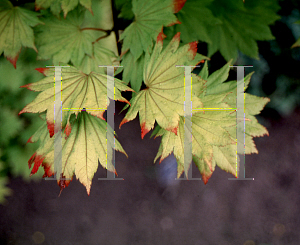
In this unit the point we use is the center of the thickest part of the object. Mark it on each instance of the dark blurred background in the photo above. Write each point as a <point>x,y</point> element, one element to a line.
<point>138,209</point>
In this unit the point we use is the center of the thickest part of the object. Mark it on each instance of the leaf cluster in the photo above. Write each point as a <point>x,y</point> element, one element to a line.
<point>81,34</point>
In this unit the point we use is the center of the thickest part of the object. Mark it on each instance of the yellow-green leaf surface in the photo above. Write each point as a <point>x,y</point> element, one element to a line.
<point>214,130</point>
<point>66,5</point>
<point>64,40</point>
<point>163,99</point>
<point>150,17</point>
<point>209,137</point>
<point>253,104</point>
<point>15,30</point>
<point>82,148</point>
<point>78,91</point>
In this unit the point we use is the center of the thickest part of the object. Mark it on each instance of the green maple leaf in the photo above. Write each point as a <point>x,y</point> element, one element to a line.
<point>79,90</point>
<point>150,17</point>
<point>15,30</point>
<point>242,25</point>
<point>214,132</point>
<point>133,70</point>
<point>84,143</point>
<point>196,21</point>
<point>101,56</point>
<point>163,99</point>
<point>66,5</point>
<point>125,7</point>
<point>65,40</point>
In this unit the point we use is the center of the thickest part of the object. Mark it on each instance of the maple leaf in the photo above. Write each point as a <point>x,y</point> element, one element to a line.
<point>163,99</point>
<point>195,14</point>
<point>242,24</point>
<point>150,17</point>
<point>125,7</point>
<point>84,143</point>
<point>253,104</point>
<point>101,56</point>
<point>134,74</point>
<point>79,90</point>
<point>66,5</point>
<point>214,132</point>
<point>15,30</point>
<point>64,40</point>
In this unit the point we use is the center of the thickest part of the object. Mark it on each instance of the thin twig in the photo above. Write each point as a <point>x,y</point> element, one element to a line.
<point>94,29</point>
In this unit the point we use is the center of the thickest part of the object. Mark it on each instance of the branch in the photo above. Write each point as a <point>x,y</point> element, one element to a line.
<point>95,29</point>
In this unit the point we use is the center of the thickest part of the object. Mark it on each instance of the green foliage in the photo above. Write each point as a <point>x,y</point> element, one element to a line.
<point>14,130</point>
<point>125,7</point>
<point>161,100</point>
<point>63,40</point>
<point>233,35</point>
<point>78,90</point>
<point>84,41</point>
<point>227,26</point>
<point>189,18</point>
<point>66,5</point>
<point>15,30</point>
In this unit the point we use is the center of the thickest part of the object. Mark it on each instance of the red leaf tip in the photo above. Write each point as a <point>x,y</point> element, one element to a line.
<point>68,130</point>
<point>21,112</point>
<point>144,130</point>
<point>160,37</point>
<point>63,183</point>
<point>27,86</point>
<point>29,140</point>
<point>47,170</point>
<point>38,159</point>
<point>36,7</point>
<point>193,48</point>
<point>42,70</point>
<point>174,130</point>
<point>176,38</point>
<point>13,60</point>
<point>30,161</point>
<point>122,122</point>
<point>50,127</point>
<point>178,5</point>
<point>205,178</point>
